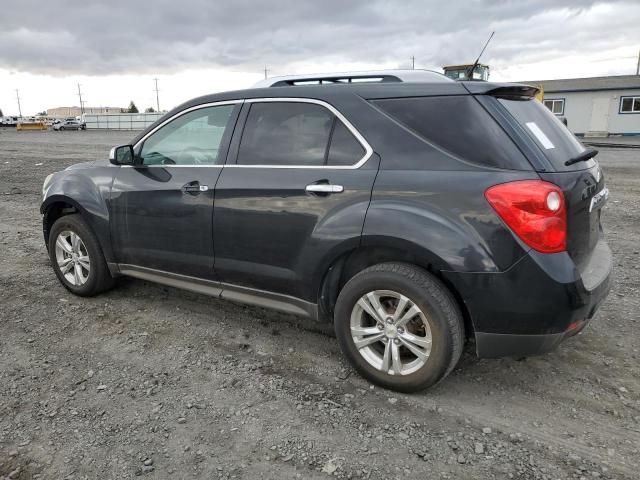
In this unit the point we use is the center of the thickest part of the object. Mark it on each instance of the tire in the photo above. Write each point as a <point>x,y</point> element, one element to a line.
<point>439,318</point>
<point>98,278</point>
<point>61,129</point>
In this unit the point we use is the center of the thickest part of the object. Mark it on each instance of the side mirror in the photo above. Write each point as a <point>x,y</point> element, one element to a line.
<point>122,155</point>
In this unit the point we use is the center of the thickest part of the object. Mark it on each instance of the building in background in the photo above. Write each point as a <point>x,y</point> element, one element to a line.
<point>597,106</point>
<point>63,112</point>
<point>120,121</point>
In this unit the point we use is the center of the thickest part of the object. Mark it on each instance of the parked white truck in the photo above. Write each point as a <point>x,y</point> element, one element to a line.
<point>9,121</point>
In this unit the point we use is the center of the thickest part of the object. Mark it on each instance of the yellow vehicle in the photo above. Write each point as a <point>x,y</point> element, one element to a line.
<point>32,125</point>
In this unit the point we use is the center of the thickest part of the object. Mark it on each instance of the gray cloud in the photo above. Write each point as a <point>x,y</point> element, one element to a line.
<point>116,36</point>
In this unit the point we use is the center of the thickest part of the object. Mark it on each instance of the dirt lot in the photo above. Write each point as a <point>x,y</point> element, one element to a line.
<point>154,382</point>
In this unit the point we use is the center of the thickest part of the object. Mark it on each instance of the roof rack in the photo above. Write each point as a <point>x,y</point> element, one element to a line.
<point>379,76</point>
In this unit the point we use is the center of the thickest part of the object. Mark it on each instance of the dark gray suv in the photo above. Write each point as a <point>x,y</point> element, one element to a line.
<point>412,215</point>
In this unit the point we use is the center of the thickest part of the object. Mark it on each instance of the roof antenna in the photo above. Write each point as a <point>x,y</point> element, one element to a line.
<point>473,68</point>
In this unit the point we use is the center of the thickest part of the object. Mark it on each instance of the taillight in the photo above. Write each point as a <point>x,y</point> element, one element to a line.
<point>534,210</point>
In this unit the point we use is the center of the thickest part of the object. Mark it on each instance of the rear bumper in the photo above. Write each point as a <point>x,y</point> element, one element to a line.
<point>497,345</point>
<point>536,304</point>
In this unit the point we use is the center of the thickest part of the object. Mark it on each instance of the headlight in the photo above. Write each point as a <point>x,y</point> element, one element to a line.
<point>46,182</point>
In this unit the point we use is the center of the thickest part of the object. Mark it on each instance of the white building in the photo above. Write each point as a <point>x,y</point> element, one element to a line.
<point>598,106</point>
<point>121,121</point>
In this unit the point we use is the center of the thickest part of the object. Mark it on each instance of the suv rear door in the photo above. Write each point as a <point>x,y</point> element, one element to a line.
<point>294,191</point>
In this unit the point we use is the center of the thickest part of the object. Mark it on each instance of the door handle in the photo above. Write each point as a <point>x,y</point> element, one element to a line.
<point>194,188</point>
<point>324,188</point>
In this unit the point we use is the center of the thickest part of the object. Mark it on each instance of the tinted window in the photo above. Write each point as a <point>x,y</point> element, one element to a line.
<point>191,139</point>
<point>555,140</point>
<point>459,125</point>
<point>344,149</point>
<point>285,133</point>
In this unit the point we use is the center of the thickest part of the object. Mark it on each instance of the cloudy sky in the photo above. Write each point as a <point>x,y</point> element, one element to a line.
<point>114,48</point>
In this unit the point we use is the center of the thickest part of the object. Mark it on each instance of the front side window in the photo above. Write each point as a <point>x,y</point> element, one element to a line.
<point>556,105</point>
<point>630,105</point>
<point>191,139</point>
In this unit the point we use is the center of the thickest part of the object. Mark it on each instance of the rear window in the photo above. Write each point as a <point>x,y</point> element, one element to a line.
<point>459,125</point>
<point>551,135</point>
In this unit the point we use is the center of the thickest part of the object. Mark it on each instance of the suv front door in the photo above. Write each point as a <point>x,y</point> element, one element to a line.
<point>162,207</point>
<point>295,190</point>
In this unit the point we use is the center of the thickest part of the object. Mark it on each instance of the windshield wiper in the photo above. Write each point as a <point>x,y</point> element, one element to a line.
<point>588,154</point>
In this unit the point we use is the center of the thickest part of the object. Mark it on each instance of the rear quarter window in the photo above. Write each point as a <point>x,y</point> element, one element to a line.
<point>548,132</point>
<point>460,126</point>
<point>344,149</point>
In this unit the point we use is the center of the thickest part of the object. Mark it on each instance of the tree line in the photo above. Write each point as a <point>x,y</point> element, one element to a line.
<point>134,109</point>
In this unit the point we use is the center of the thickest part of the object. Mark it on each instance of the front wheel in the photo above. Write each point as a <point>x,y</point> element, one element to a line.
<point>77,258</point>
<point>399,326</point>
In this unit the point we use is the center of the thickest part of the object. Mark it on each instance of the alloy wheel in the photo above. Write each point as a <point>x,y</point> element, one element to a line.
<point>391,332</point>
<point>72,258</point>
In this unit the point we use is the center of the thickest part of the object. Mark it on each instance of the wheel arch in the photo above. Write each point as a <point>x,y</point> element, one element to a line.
<point>57,206</point>
<point>375,251</point>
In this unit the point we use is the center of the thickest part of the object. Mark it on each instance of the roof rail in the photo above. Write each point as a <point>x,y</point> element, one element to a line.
<point>379,76</point>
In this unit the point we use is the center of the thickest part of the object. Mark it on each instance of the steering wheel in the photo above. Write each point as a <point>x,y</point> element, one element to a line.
<point>196,156</point>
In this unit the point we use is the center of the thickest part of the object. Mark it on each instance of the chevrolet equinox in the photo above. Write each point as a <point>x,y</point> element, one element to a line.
<point>412,211</point>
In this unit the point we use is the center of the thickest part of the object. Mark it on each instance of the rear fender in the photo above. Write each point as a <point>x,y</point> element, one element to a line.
<point>444,213</point>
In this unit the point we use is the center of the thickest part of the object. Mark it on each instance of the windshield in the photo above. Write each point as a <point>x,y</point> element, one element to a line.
<point>549,133</point>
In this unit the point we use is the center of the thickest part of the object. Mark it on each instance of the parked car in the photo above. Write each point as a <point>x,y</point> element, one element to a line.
<point>410,210</point>
<point>69,125</point>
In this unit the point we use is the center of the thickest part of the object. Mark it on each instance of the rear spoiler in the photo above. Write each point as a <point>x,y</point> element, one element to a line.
<point>513,91</point>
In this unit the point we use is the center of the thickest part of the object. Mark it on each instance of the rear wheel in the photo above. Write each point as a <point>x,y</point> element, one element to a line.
<point>399,326</point>
<point>77,258</point>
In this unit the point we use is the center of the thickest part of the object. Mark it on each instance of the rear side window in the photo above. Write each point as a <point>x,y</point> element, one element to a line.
<point>551,135</point>
<point>459,125</point>
<point>285,133</point>
<point>296,134</point>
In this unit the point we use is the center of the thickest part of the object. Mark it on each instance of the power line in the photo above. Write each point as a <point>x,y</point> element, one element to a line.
<point>18,97</point>
<point>157,96</point>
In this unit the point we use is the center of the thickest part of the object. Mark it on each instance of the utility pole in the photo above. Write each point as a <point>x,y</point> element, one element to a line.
<point>18,97</point>
<point>81,104</point>
<point>265,72</point>
<point>157,96</point>
<point>413,62</point>
<point>638,66</point>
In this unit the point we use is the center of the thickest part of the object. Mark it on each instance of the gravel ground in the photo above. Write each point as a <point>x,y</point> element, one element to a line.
<point>155,382</point>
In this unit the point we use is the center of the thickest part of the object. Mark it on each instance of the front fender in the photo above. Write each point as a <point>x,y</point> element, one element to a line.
<point>87,190</point>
